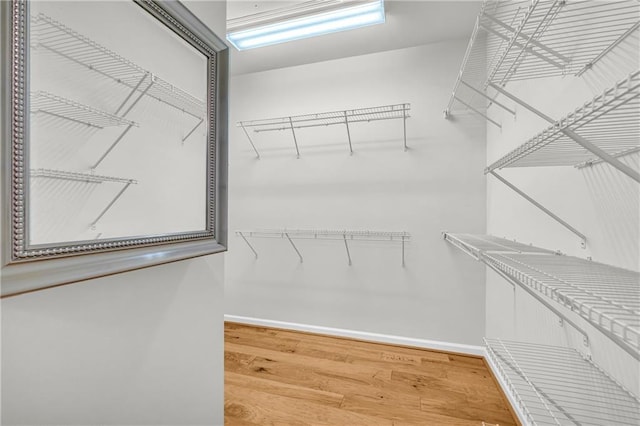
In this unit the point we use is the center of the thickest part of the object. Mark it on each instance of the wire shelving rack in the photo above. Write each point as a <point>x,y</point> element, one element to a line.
<point>606,296</point>
<point>475,245</point>
<point>56,106</point>
<point>559,386</point>
<point>86,178</point>
<point>55,37</point>
<point>344,117</point>
<point>611,121</point>
<point>523,40</point>
<point>345,236</point>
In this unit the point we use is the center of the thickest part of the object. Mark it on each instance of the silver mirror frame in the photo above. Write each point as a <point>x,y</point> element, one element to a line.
<point>27,268</point>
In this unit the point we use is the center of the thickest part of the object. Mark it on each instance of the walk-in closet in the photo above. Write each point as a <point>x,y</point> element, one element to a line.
<point>320,212</point>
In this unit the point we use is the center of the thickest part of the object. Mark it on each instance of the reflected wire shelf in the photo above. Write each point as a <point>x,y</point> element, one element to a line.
<point>78,177</point>
<point>345,117</point>
<point>611,121</point>
<point>558,386</point>
<point>56,106</point>
<point>524,40</point>
<point>55,37</point>
<point>606,296</point>
<point>86,178</point>
<point>323,234</point>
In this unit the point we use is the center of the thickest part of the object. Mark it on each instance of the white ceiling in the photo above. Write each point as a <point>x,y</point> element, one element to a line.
<point>408,23</point>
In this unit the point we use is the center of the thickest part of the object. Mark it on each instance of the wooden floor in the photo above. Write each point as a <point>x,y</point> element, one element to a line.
<point>281,377</point>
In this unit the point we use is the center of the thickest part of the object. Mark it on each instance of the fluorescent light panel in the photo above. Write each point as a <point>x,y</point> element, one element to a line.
<point>309,26</point>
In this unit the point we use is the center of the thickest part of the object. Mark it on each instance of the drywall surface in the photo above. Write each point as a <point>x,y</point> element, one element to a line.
<point>142,347</point>
<point>436,185</point>
<point>599,201</point>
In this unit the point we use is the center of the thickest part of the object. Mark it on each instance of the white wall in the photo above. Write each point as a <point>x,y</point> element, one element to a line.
<point>436,185</point>
<point>599,201</point>
<point>143,347</point>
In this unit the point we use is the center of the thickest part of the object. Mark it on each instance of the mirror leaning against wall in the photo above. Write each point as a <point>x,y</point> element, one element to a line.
<point>114,139</point>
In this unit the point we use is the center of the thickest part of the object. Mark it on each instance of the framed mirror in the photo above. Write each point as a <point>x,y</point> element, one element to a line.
<point>114,139</point>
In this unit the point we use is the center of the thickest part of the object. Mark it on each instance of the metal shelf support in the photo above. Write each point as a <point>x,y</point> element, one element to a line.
<point>255,253</point>
<point>193,130</point>
<point>124,114</point>
<point>294,247</point>
<point>346,246</point>
<point>583,238</point>
<point>250,141</point>
<point>478,112</point>
<point>295,141</point>
<point>346,123</point>
<point>106,209</point>
<point>492,100</point>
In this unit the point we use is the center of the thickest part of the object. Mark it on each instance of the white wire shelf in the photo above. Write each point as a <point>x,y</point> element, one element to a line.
<point>606,296</point>
<point>344,117</point>
<point>522,40</point>
<point>558,386</point>
<point>475,245</point>
<point>55,37</point>
<point>78,177</point>
<point>86,178</point>
<point>611,121</point>
<point>56,106</point>
<point>322,234</point>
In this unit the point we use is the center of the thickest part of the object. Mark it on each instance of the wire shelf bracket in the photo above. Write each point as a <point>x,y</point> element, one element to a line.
<point>606,296</point>
<point>344,236</point>
<point>559,386</point>
<point>86,178</point>
<point>524,40</point>
<point>344,117</point>
<point>583,238</point>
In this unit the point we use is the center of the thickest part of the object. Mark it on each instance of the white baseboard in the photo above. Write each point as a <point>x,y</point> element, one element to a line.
<point>363,335</point>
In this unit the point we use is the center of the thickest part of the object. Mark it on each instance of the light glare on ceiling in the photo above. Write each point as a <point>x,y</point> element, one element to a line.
<point>309,26</point>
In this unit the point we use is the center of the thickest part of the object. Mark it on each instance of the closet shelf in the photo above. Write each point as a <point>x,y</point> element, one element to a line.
<point>606,296</point>
<point>475,245</point>
<point>86,178</point>
<point>56,106</point>
<point>322,234</point>
<point>611,121</point>
<point>524,40</point>
<point>78,177</point>
<point>344,117</point>
<point>558,386</point>
<point>61,40</point>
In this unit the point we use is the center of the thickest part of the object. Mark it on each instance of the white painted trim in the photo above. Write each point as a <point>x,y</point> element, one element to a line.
<point>363,335</point>
<point>505,388</point>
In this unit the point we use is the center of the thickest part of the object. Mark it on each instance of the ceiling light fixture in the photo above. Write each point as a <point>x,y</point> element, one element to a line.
<point>305,20</point>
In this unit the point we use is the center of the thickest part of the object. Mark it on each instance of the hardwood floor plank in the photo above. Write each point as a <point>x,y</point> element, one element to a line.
<point>263,408</point>
<point>338,367</point>
<point>330,399</point>
<point>283,377</point>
